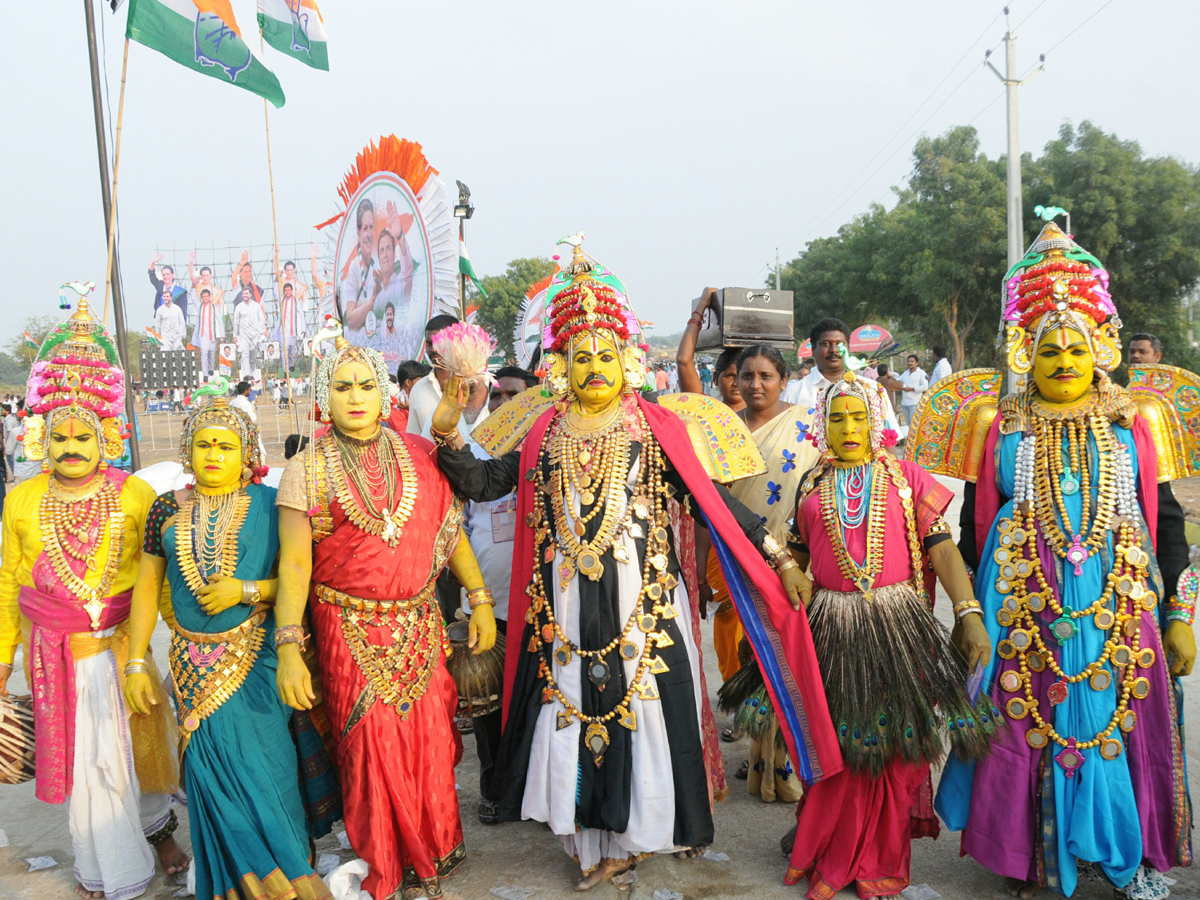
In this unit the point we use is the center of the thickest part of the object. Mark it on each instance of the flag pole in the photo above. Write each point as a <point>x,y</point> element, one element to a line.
<point>114,268</point>
<point>112,218</point>
<point>283,341</point>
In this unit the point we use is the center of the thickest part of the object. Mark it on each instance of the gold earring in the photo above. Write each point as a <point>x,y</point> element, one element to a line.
<point>1018,349</point>
<point>1108,347</point>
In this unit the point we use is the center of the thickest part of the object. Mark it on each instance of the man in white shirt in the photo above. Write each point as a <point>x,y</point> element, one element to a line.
<point>915,384</point>
<point>828,336</point>
<point>942,367</point>
<point>491,528</point>
<point>426,394</point>
<point>170,324</point>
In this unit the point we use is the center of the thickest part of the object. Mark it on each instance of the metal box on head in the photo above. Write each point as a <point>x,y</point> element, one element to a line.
<point>744,316</point>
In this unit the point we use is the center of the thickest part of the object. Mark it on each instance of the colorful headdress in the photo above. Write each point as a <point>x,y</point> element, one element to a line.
<point>872,396</point>
<point>584,298</point>
<point>344,352</point>
<point>78,375</point>
<point>1058,283</point>
<point>219,414</point>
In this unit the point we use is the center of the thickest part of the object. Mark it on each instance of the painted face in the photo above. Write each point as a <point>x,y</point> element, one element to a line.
<point>74,449</point>
<point>217,458</point>
<point>847,429</point>
<point>759,383</point>
<point>596,372</point>
<point>354,399</point>
<point>1063,366</point>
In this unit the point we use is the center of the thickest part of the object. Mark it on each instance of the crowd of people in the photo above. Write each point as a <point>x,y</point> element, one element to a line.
<point>530,556</point>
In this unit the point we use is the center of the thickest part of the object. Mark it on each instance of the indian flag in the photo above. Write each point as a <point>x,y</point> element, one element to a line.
<point>465,267</point>
<point>152,336</point>
<point>295,27</point>
<point>30,342</point>
<point>215,37</point>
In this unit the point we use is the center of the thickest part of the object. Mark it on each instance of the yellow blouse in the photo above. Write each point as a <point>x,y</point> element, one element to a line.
<point>22,545</point>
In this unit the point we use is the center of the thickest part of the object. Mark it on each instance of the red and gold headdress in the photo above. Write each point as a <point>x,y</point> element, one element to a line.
<point>1058,283</point>
<point>77,375</point>
<point>585,298</point>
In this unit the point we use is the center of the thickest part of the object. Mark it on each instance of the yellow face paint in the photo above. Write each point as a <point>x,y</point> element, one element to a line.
<point>1063,366</point>
<point>73,449</point>
<point>217,459</point>
<point>596,371</point>
<point>847,429</point>
<point>355,400</point>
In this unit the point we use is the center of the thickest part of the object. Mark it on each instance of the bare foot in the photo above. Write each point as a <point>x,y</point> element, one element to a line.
<point>174,860</point>
<point>603,872</point>
<point>788,841</point>
<point>1017,887</point>
<point>689,853</point>
<point>88,895</point>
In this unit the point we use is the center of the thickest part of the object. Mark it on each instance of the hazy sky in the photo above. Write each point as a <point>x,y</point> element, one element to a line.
<point>688,138</point>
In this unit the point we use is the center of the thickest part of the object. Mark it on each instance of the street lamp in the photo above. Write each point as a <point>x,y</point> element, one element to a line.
<point>463,210</point>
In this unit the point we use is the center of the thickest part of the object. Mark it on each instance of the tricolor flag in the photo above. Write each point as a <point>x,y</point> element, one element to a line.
<point>152,336</point>
<point>215,37</point>
<point>30,342</point>
<point>465,267</point>
<point>295,27</point>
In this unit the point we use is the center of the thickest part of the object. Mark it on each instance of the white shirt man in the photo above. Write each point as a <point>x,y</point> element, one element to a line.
<point>170,325</point>
<point>915,384</point>
<point>941,369</point>
<point>423,399</point>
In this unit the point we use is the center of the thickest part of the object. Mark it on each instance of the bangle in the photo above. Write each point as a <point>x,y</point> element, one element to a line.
<point>787,564</point>
<point>965,607</point>
<point>251,593</point>
<point>1182,606</point>
<point>135,668</point>
<point>452,440</point>
<point>8,666</point>
<point>290,634</point>
<point>480,597</point>
<point>776,555</point>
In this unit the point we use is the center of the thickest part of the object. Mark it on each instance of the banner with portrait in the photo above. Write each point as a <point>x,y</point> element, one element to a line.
<point>393,250</point>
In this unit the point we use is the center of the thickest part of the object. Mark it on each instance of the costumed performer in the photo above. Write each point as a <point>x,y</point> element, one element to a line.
<point>368,522</point>
<point>217,542</point>
<point>609,738</point>
<point>1077,578</point>
<point>872,529</point>
<point>72,541</point>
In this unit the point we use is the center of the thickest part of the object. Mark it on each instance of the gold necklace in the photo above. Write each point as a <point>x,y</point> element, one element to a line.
<point>388,523</point>
<point>206,534</point>
<point>63,518</point>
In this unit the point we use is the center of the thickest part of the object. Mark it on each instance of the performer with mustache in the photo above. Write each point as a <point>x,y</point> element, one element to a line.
<point>72,541</point>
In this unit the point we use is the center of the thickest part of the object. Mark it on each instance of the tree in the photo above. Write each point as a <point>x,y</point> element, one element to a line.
<point>505,294</point>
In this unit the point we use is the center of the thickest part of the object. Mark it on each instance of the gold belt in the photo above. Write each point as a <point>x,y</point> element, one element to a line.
<point>220,637</point>
<point>327,594</point>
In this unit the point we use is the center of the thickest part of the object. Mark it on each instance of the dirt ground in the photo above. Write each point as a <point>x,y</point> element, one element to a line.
<point>527,856</point>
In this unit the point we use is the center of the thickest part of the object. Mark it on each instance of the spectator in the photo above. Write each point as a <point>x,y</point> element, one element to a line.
<point>829,338</point>
<point>673,379</point>
<point>165,288</point>
<point>425,394</point>
<point>241,399</point>
<point>660,379</point>
<point>942,367</point>
<point>1145,349</point>
<point>12,427</point>
<point>706,378</point>
<point>915,382</point>
<point>791,391</point>
<point>293,444</point>
<point>888,381</point>
<point>177,400</point>
<point>804,370</point>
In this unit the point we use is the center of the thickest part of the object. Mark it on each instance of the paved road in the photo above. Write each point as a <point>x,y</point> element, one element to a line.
<point>526,855</point>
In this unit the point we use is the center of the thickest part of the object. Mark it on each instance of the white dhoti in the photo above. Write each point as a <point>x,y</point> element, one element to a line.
<point>108,817</point>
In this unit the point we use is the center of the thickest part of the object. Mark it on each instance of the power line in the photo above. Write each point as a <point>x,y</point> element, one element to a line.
<point>1077,27</point>
<point>790,242</point>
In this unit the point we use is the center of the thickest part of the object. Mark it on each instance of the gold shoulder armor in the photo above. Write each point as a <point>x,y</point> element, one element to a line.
<point>720,438</point>
<point>1168,398</point>
<point>950,426</point>
<point>505,429</point>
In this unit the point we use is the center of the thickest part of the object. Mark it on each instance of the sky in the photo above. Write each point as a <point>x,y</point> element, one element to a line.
<point>689,139</point>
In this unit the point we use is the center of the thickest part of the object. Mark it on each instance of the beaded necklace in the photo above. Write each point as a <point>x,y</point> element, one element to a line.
<point>1042,479</point>
<point>372,468</point>
<point>72,524</point>
<point>206,534</point>
<point>551,537</point>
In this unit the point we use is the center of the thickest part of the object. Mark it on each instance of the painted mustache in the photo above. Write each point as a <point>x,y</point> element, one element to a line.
<point>596,376</point>
<point>72,457</point>
<point>1072,372</point>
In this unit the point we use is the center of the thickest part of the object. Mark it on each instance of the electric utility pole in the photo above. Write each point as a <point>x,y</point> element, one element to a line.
<point>1016,233</point>
<point>776,268</point>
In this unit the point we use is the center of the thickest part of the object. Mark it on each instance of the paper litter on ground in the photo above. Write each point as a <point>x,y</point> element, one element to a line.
<point>664,894</point>
<point>712,856</point>
<point>327,862</point>
<point>510,893</point>
<point>343,840</point>
<point>919,892</point>
<point>41,862</point>
<point>3,838</point>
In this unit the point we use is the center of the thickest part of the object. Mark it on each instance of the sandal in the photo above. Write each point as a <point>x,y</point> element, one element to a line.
<point>743,771</point>
<point>732,735</point>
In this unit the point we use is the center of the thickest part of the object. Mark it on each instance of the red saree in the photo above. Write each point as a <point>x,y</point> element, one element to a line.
<point>396,741</point>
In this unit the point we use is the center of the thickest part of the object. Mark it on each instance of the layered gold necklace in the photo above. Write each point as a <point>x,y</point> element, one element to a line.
<point>373,467</point>
<point>72,524</point>
<point>206,534</point>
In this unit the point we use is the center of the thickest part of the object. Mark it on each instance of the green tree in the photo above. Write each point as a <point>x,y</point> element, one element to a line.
<point>1139,215</point>
<point>505,293</point>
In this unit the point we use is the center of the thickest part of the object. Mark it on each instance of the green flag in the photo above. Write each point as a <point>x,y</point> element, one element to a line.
<point>295,27</point>
<point>206,36</point>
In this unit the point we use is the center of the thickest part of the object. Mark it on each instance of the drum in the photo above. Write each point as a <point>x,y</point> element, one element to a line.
<point>480,679</point>
<point>16,739</point>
